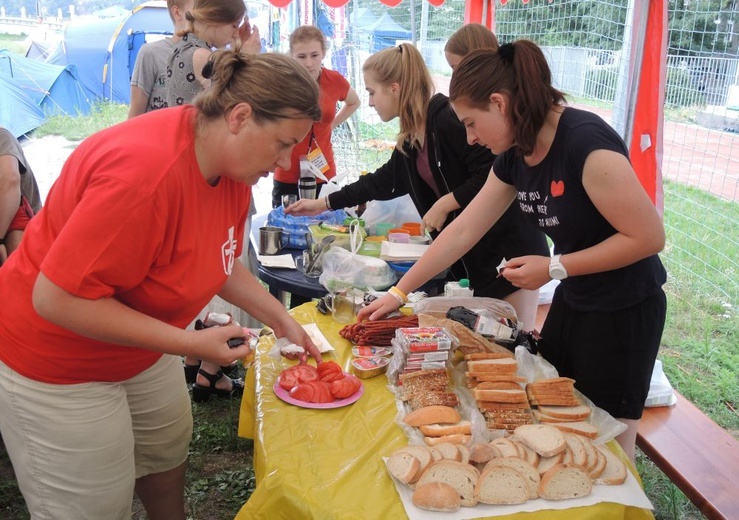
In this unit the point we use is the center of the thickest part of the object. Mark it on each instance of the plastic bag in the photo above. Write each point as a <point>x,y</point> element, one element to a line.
<point>396,211</point>
<point>342,268</point>
<point>660,389</point>
<point>298,227</point>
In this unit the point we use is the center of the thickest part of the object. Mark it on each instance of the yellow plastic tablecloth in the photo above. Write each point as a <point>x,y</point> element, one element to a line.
<point>327,464</point>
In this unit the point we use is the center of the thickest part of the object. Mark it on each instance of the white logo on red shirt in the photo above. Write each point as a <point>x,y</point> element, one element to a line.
<point>228,252</point>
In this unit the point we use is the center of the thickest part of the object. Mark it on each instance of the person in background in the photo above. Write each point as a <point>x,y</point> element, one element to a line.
<point>308,46</point>
<point>19,194</point>
<point>568,171</point>
<point>148,85</point>
<point>210,24</point>
<point>139,232</point>
<point>433,163</point>
<point>466,39</point>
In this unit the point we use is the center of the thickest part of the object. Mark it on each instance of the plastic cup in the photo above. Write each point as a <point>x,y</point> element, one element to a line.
<point>399,236</point>
<point>382,228</point>
<point>414,228</point>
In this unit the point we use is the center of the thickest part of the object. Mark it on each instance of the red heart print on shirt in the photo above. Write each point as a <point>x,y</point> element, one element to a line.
<point>557,188</point>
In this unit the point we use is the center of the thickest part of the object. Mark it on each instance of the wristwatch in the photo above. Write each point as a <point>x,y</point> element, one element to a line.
<point>556,270</point>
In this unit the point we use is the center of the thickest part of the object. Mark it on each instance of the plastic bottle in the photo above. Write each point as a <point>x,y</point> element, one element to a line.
<point>458,289</point>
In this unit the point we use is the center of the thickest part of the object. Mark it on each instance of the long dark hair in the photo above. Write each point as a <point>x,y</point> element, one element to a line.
<point>518,70</point>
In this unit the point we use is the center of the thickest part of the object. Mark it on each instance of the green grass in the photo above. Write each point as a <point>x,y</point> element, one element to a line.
<point>103,115</point>
<point>14,43</point>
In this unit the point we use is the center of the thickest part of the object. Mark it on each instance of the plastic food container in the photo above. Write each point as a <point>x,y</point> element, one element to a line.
<point>366,368</point>
<point>369,352</point>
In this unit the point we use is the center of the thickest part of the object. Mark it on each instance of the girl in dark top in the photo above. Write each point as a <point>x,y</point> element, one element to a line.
<point>568,171</point>
<point>433,163</point>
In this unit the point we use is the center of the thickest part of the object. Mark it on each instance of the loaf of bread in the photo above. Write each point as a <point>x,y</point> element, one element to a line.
<point>432,415</point>
<point>436,496</point>
<point>565,481</point>
<point>462,477</point>
<point>543,439</point>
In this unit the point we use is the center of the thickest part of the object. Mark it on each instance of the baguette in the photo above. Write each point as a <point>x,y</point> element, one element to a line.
<point>432,415</point>
<point>439,430</point>
<point>457,438</point>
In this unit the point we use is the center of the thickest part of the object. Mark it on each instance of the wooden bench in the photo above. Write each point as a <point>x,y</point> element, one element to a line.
<point>696,454</point>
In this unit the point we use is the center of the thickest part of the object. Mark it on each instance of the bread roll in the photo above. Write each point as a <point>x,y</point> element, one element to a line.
<point>439,430</point>
<point>457,438</point>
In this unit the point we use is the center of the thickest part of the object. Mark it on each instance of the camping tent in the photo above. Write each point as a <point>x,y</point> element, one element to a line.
<point>54,88</point>
<point>18,112</point>
<point>383,31</point>
<point>104,50</point>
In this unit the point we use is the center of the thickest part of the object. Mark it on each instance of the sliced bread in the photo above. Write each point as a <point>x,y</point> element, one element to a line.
<point>577,413</point>
<point>448,451</point>
<point>403,466</point>
<point>543,439</point>
<point>576,445</point>
<point>524,468</point>
<point>424,456</point>
<point>483,452</point>
<point>457,438</point>
<point>615,471</point>
<point>580,428</point>
<point>501,485</point>
<point>436,496</point>
<point>462,477</point>
<point>565,481</point>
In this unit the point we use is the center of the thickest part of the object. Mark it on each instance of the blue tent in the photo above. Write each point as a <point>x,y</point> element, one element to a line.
<point>104,50</point>
<point>54,88</point>
<point>18,112</point>
<point>383,31</point>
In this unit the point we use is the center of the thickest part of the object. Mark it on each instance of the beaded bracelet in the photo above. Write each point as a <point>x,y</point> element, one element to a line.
<point>328,205</point>
<point>398,295</point>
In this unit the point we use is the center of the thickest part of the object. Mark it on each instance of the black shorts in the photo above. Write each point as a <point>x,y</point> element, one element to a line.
<point>610,355</point>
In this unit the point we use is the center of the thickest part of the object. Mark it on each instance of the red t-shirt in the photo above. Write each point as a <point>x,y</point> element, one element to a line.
<point>334,88</point>
<point>130,217</point>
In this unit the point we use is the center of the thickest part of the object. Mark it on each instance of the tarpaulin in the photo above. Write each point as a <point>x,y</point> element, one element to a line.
<point>328,463</point>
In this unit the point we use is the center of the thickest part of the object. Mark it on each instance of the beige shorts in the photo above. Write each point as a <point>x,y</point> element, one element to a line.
<point>77,449</point>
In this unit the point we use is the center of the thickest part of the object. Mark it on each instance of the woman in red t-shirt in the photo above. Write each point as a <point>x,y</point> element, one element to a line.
<point>142,228</point>
<point>308,46</point>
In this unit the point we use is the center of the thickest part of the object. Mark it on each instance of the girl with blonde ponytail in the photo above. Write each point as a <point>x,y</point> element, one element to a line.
<point>433,163</point>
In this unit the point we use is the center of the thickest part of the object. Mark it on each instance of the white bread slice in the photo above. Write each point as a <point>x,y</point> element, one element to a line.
<point>496,366</point>
<point>436,496</point>
<point>424,456</point>
<point>505,446</point>
<point>500,396</point>
<point>545,463</point>
<point>591,457</point>
<point>435,454</point>
<point>565,481</point>
<point>464,452</point>
<point>577,413</point>
<point>483,452</point>
<point>544,418</point>
<point>438,430</point>
<point>600,464</point>
<point>580,428</point>
<point>476,356</point>
<point>524,468</point>
<point>403,466</point>
<point>457,438</point>
<point>448,451</point>
<point>615,472</point>
<point>462,477</point>
<point>501,485</point>
<point>544,440</point>
<point>529,455</point>
<point>432,415</point>
<point>579,456</point>
<point>492,377</point>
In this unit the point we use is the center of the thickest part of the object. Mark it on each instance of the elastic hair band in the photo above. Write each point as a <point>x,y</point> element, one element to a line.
<point>506,52</point>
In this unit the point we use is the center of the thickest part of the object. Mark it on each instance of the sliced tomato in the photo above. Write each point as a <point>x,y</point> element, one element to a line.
<point>288,379</point>
<point>322,392</point>
<point>328,367</point>
<point>342,388</point>
<point>306,373</point>
<point>330,377</point>
<point>303,392</point>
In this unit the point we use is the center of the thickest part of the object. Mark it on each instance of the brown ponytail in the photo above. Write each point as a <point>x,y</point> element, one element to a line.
<point>404,65</point>
<point>518,70</point>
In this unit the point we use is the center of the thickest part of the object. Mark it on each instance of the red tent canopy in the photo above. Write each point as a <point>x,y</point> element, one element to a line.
<point>341,3</point>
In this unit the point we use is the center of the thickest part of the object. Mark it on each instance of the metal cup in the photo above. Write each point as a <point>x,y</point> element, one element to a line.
<point>272,239</point>
<point>307,187</point>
